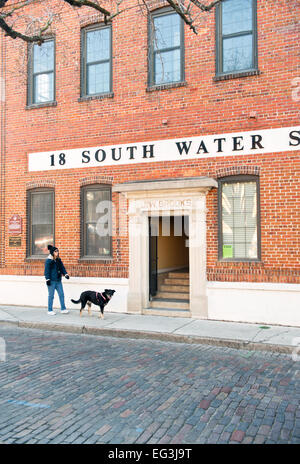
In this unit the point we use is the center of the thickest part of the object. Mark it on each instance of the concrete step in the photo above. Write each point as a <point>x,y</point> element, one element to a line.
<point>173,295</point>
<point>176,281</point>
<point>171,312</point>
<point>178,275</point>
<point>169,303</point>
<point>175,288</point>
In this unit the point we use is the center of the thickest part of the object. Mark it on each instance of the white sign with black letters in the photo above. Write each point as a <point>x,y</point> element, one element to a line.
<point>209,146</point>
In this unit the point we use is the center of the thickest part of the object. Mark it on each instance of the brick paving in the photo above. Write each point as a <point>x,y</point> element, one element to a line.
<point>72,388</point>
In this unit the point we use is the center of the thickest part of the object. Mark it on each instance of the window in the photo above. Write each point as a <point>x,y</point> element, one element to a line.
<point>96,62</point>
<point>239,232</point>
<point>236,36</point>
<point>41,73</point>
<point>166,50</point>
<point>40,221</point>
<point>96,229</point>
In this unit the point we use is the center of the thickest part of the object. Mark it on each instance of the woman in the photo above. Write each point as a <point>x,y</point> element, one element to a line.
<point>54,269</point>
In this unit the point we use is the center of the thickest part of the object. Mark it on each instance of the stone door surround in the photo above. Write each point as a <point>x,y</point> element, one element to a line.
<point>174,197</point>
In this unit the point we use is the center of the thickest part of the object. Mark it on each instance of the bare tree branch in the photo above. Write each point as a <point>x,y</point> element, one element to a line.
<point>34,30</point>
<point>204,7</point>
<point>80,3</point>
<point>7,12</point>
<point>183,16</point>
<point>15,34</point>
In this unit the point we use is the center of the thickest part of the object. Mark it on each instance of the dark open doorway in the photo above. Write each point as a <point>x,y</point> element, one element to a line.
<point>169,261</point>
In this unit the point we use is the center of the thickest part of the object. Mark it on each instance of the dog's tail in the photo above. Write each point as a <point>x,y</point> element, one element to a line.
<point>75,301</point>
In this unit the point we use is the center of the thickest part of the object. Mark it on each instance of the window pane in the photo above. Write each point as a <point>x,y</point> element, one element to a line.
<point>167,67</point>
<point>237,53</point>
<point>239,235</point>
<point>251,234</point>
<point>227,236</point>
<point>236,16</point>
<point>227,199</point>
<point>43,57</point>
<point>41,237</point>
<point>250,189</point>
<point>42,208</point>
<point>98,78</point>
<point>43,88</point>
<point>98,45</point>
<point>97,222</point>
<point>239,250</point>
<point>251,220</point>
<point>96,245</point>
<point>251,250</point>
<point>228,220</point>
<point>239,204</point>
<point>41,222</point>
<point>166,31</point>
<point>239,219</point>
<point>93,204</point>
<point>250,204</point>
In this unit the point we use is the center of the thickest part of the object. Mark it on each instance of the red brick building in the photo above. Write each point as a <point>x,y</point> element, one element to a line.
<point>199,132</point>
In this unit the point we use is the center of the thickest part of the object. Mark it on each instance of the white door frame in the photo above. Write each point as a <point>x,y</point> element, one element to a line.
<point>182,197</point>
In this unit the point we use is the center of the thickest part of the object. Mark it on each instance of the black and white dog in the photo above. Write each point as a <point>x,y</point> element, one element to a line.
<point>100,299</point>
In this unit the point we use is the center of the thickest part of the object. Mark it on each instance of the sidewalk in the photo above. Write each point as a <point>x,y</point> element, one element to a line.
<point>264,337</point>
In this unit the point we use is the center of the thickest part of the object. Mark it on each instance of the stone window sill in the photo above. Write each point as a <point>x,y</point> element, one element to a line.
<point>36,258</point>
<point>173,85</point>
<point>86,98</point>
<point>241,260</point>
<point>99,258</point>
<point>41,105</point>
<point>236,75</point>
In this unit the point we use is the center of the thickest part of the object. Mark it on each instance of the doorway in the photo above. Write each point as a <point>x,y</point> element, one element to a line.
<point>169,262</point>
<point>162,197</point>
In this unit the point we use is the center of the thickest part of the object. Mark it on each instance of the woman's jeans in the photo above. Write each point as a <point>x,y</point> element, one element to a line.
<point>56,285</point>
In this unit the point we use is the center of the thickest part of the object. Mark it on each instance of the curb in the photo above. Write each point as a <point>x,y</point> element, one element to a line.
<point>166,337</point>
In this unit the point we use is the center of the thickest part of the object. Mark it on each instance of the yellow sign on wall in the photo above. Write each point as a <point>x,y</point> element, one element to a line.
<point>227,251</point>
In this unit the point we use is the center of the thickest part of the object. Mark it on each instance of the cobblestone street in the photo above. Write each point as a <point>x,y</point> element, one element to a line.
<point>71,388</point>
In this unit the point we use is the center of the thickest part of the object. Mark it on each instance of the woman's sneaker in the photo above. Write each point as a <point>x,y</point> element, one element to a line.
<point>51,313</point>
<point>64,311</point>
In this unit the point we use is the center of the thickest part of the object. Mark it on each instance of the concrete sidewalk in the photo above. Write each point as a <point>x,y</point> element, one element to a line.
<point>238,335</point>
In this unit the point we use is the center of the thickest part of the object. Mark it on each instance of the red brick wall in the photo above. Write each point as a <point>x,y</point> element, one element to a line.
<point>202,106</point>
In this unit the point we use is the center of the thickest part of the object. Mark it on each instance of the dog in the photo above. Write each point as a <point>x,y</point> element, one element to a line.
<point>100,299</point>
